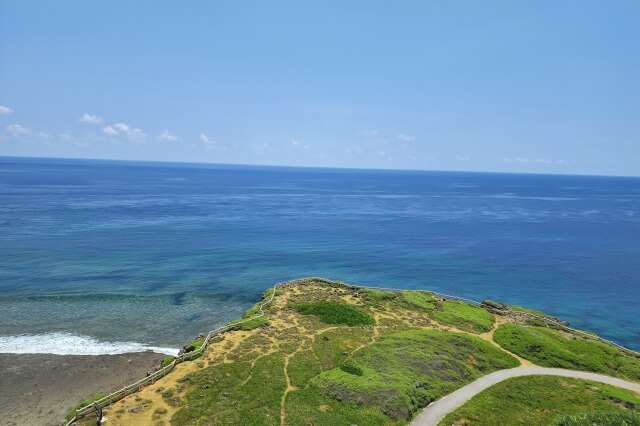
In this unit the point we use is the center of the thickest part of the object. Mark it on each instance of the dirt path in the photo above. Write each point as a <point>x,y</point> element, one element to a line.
<point>289,388</point>
<point>437,410</point>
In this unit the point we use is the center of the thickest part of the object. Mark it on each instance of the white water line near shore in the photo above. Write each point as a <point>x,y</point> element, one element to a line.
<point>63,343</point>
<point>134,387</point>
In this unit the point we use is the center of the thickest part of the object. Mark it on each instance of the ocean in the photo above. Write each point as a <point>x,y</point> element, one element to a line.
<point>110,257</point>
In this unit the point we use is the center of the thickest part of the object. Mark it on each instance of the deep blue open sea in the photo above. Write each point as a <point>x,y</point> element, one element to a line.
<point>97,252</point>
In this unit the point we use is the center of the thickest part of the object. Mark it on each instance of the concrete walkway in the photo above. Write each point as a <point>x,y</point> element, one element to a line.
<point>437,410</point>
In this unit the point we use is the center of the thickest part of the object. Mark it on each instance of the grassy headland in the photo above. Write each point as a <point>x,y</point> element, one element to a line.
<point>328,353</point>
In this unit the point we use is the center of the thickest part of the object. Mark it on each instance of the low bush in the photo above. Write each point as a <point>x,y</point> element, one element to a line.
<point>379,295</point>
<point>195,345</point>
<point>253,323</point>
<point>167,360</point>
<point>336,313</point>
<point>351,369</point>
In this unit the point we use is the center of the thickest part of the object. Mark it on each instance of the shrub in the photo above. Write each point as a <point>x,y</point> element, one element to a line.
<point>195,345</point>
<point>336,313</point>
<point>167,360</point>
<point>351,369</point>
<point>379,295</point>
<point>254,323</point>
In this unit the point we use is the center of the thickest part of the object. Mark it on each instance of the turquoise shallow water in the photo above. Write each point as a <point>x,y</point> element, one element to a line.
<point>155,253</point>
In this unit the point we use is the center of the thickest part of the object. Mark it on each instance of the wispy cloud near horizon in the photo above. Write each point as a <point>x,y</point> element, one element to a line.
<point>17,130</point>
<point>90,119</point>
<point>125,130</point>
<point>524,160</point>
<point>166,136</point>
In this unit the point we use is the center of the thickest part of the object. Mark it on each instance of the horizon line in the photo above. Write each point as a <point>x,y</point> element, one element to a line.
<point>311,167</point>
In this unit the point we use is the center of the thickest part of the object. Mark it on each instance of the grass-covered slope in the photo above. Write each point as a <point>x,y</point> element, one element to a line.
<point>235,393</point>
<point>405,371</point>
<point>552,348</point>
<point>450,312</point>
<point>543,400</point>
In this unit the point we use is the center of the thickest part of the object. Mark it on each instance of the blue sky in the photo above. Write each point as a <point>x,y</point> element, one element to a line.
<point>522,86</point>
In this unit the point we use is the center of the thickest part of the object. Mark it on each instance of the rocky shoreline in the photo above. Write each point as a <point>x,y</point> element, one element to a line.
<point>38,389</point>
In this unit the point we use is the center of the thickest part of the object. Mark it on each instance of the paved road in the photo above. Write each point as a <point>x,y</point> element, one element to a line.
<point>436,411</point>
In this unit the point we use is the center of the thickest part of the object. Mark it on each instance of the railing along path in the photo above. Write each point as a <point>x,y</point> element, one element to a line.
<point>135,387</point>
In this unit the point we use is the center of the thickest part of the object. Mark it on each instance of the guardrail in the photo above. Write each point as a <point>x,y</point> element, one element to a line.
<point>135,387</point>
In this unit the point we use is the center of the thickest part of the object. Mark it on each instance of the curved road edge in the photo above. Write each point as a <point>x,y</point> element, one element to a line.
<point>437,410</point>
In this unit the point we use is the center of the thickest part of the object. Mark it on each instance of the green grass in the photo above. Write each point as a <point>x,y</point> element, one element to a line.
<point>251,324</point>
<point>404,371</point>
<point>167,360</point>
<point>420,299</point>
<point>235,394</point>
<point>334,346</point>
<point>308,407</point>
<point>253,311</point>
<point>93,398</point>
<point>552,348</point>
<point>452,312</point>
<point>538,400</point>
<point>303,366</point>
<point>375,295</point>
<point>600,418</point>
<point>336,313</point>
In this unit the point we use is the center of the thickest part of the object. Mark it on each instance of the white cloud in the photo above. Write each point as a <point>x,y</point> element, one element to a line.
<point>210,144</point>
<point>405,138</point>
<point>524,160</point>
<point>5,110</point>
<point>17,130</point>
<point>90,119</point>
<point>462,158</point>
<point>165,135</point>
<point>259,147</point>
<point>124,129</point>
<point>110,131</point>
<point>355,150</point>
<point>374,137</point>
<point>297,143</point>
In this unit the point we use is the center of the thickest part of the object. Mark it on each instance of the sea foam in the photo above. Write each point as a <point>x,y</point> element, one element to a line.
<point>70,344</point>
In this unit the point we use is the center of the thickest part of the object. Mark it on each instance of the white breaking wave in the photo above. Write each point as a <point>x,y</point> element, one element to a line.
<point>71,344</point>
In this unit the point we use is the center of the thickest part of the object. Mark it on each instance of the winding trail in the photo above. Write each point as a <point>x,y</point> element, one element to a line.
<point>437,410</point>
